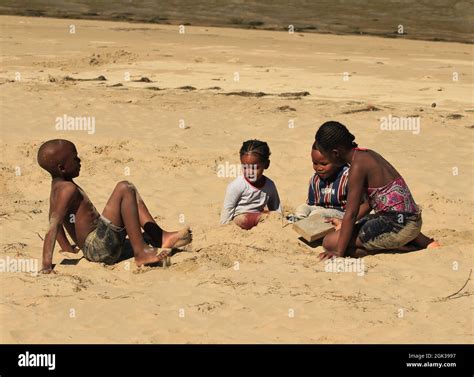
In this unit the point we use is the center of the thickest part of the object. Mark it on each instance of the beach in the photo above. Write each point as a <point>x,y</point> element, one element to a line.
<point>168,108</point>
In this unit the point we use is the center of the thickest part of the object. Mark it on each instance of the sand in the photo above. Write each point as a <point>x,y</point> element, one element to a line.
<point>233,286</point>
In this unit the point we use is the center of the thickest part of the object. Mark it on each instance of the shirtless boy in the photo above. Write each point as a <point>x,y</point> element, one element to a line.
<point>100,237</point>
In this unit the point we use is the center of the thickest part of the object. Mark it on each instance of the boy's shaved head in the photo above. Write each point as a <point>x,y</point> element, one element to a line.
<point>54,152</point>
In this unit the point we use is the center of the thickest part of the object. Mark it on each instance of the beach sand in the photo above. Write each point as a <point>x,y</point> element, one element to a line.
<point>232,286</point>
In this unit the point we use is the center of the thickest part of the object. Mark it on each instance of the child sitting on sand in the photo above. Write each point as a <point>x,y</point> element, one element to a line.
<point>100,237</point>
<point>327,194</point>
<point>397,219</point>
<point>247,196</point>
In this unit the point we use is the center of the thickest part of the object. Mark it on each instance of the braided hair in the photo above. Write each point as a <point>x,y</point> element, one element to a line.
<point>258,147</point>
<point>332,135</point>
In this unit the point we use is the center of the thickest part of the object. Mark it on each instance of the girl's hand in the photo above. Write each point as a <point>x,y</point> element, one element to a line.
<point>327,255</point>
<point>335,222</point>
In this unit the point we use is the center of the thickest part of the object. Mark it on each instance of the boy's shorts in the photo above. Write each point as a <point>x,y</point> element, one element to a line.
<point>388,230</point>
<point>105,243</point>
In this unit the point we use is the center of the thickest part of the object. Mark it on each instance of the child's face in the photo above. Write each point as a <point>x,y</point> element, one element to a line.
<point>334,157</point>
<point>71,165</point>
<point>321,165</point>
<point>252,167</point>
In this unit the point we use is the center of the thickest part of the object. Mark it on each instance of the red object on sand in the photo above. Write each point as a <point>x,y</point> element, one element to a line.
<point>248,220</point>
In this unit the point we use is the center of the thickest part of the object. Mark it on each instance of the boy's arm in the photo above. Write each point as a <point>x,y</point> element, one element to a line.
<point>64,242</point>
<point>62,238</point>
<point>310,200</point>
<point>58,212</point>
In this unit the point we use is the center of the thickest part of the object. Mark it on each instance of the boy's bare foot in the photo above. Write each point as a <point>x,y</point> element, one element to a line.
<point>359,253</point>
<point>149,256</point>
<point>177,239</point>
<point>433,245</point>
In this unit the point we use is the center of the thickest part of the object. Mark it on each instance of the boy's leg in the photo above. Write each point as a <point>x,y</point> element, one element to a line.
<point>303,211</point>
<point>327,212</point>
<point>122,210</point>
<point>159,236</point>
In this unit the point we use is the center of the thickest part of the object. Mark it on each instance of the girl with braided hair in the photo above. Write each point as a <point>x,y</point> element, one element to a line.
<point>248,195</point>
<point>396,223</point>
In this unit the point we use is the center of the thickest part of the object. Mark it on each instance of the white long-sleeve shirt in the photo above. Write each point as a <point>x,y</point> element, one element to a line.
<point>242,197</point>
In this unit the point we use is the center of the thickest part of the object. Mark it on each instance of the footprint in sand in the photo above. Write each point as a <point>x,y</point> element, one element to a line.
<point>206,307</point>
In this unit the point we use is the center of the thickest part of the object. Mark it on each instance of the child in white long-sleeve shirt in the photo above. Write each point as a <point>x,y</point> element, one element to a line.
<point>248,195</point>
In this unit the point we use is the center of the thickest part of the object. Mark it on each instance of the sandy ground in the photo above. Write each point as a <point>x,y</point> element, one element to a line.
<point>234,286</point>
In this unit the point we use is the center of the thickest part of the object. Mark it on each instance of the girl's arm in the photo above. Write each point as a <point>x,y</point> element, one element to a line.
<point>274,201</point>
<point>356,181</point>
<point>232,198</point>
<point>364,210</point>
